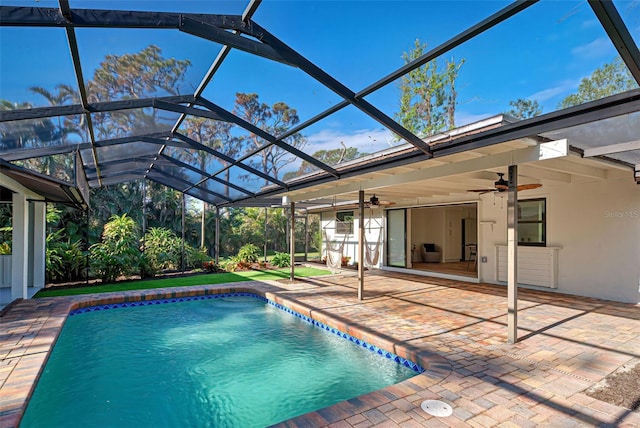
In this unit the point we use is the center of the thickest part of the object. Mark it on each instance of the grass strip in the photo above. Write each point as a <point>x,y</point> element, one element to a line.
<point>207,279</point>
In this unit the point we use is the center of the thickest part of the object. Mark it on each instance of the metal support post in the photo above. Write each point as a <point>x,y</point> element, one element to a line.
<point>360,244</point>
<point>512,255</point>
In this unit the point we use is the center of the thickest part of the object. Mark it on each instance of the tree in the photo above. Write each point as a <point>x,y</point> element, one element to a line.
<point>609,79</point>
<point>25,134</point>
<point>59,166</point>
<point>524,109</point>
<point>428,95</point>
<point>275,120</point>
<point>330,157</point>
<point>139,75</point>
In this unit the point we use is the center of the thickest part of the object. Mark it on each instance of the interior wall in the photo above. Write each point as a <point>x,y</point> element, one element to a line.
<point>442,226</point>
<point>595,224</point>
<point>453,233</point>
<point>428,226</point>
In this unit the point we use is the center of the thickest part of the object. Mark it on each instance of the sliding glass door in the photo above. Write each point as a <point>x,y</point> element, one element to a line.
<point>397,238</point>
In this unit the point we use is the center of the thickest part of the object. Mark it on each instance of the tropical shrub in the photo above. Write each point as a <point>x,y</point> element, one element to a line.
<point>281,260</point>
<point>195,257</point>
<point>248,253</point>
<point>64,260</point>
<point>230,265</point>
<point>162,250</point>
<point>117,254</point>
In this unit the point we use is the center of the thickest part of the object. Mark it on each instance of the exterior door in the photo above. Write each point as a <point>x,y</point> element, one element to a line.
<point>396,247</point>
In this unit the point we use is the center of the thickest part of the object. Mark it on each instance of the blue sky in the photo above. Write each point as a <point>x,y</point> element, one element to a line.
<point>541,54</point>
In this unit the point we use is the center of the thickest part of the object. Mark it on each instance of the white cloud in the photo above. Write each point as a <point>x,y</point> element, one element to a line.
<point>365,140</point>
<point>562,87</point>
<point>597,48</point>
<point>464,118</point>
<point>589,23</point>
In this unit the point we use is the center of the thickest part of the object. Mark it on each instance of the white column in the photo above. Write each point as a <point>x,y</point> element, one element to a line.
<point>19,247</point>
<point>360,244</point>
<point>39,244</point>
<point>512,256</point>
<point>292,242</point>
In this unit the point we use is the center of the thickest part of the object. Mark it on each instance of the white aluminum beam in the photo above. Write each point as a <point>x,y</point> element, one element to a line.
<point>544,151</point>
<point>574,168</point>
<point>612,148</point>
<point>533,171</point>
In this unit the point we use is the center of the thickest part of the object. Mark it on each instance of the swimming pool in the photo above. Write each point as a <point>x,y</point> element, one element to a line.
<point>159,365</point>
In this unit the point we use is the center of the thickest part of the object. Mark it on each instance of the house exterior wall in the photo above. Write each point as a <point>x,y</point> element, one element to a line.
<point>596,225</point>
<point>373,221</point>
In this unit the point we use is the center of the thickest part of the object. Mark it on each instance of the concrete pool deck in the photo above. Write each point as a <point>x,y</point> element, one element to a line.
<point>567,344</point>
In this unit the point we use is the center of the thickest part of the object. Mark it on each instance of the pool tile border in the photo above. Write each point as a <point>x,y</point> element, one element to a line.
<point>357,341</point>
<point>27,355</point>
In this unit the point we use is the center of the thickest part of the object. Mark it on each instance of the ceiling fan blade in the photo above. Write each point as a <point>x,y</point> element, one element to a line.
<point>386,203</point>
<point>528,186</point>
<point>481,190</point>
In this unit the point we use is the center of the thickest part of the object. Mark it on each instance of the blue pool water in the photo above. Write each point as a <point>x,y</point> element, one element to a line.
<point>223,362</point>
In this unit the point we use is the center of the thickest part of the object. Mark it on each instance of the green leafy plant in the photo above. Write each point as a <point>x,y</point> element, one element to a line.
<point>118,253</point>
<point>248,253</point>
<point>5,248</point>
<point>230,265</point>
<point>194,257</point>
<point>162,250</point>
<point>64,260</point>
<point>281,260</point>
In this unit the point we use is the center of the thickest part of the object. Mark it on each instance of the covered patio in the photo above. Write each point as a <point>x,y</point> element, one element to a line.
<point>567,344</point>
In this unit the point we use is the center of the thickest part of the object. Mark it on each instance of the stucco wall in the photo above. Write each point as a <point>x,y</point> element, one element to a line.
<point>372,232</point>
<point>597,227</point>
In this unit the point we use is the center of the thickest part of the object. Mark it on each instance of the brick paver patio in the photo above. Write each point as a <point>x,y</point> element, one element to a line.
<point>457,329</point>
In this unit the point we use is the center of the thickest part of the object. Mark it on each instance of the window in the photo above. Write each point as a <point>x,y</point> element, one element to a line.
<point>532,222</point>
<point>344,222</point>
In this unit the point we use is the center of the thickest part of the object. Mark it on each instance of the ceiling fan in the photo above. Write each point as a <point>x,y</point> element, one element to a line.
<point>502,185</point>
<point>374,201</point>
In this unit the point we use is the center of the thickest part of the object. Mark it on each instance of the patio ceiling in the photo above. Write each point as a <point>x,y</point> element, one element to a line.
<point>605,129</point>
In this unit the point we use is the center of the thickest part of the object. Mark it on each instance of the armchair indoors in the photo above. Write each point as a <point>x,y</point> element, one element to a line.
<point>430,253</point>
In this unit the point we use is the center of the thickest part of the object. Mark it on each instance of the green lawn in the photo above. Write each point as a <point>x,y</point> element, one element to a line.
<point>214,278</point>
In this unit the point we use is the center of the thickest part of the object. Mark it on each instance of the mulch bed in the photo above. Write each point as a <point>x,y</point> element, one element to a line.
<point>621,387</point>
